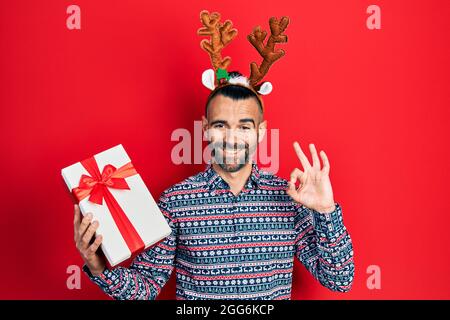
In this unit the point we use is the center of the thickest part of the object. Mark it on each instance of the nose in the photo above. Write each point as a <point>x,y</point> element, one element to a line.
<point>233,136</point>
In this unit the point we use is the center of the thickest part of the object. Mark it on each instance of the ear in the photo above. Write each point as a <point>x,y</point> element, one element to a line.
<point>265,88</point>
<point>208,79</point>
<point>262,128</point>
<point>205,127</point>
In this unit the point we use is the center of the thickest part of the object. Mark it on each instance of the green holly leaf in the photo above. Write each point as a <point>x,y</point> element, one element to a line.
<point>222,74</point>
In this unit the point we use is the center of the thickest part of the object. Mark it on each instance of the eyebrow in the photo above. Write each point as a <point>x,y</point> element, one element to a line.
<point>218,122</point>
<point>248,120</point>
<point>240,120</point>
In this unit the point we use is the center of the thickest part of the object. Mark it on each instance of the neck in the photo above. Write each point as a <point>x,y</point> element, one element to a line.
<point>236,180</point>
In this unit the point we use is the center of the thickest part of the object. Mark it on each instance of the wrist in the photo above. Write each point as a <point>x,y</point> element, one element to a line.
<point>97,271</point>
<point>326,209</point>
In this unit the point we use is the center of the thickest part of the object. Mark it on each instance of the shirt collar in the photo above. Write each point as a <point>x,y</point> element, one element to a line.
<point>215,181</point>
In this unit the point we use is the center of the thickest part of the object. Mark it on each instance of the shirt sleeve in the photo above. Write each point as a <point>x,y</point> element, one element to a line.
<point>149,271</point>
<point>324,247</point>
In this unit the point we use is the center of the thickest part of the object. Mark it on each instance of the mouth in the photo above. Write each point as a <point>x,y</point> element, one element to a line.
<point>231,152</point>
<point>230,155</point>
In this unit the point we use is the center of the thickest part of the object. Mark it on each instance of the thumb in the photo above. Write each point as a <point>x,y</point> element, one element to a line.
<point>291,189</point>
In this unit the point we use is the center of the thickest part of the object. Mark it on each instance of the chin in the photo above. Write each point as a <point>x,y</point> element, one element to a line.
<point>231,162</point>
<point>234,167</point>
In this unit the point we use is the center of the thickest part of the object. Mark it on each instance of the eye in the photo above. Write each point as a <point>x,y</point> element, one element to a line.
<point>218,126</point>
<point>245,128</point>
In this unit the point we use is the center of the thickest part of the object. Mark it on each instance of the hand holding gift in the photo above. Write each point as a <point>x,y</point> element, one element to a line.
<point>84,232</point>
<point>116,204</point>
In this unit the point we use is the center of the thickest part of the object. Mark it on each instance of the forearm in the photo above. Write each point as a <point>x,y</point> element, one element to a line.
<point>335,264</point>
<point>125,284</point>
<point>146,276</point>
<point>327,250</point>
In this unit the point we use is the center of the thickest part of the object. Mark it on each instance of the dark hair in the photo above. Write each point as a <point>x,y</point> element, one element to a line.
<point>235,92</point>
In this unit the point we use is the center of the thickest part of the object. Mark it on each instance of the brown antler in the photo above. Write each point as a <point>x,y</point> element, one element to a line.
<point>267,51</point>
<point>221,35</point>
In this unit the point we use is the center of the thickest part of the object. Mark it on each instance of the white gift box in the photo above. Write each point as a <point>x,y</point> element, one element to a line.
<point>136,202</point>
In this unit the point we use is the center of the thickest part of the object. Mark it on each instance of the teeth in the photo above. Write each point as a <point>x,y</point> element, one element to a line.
<point>231,151</point>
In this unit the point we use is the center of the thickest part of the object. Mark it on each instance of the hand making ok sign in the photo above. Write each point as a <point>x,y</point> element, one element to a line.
<point>315,190</point>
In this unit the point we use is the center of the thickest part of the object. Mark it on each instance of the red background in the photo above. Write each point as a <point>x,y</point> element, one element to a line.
<point>376,101</point>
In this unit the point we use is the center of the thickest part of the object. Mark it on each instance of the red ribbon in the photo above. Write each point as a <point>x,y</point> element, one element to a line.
<point>97,185</point>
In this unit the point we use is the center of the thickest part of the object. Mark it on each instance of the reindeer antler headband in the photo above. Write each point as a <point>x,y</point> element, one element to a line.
<point>221,34</point>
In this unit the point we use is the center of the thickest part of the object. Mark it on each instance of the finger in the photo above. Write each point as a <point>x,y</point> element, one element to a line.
<point>303,159</point>
<point>291,185</point>
<point>89,234</point>
<point>326,163</point>
<point>76,214</point>
<point>94,246</point>
<point>85,222</point>
<point>315,157</point>
<point>76,219</point>
<point>296,174</point>
<point>301,176</point>
<point>292,191</point>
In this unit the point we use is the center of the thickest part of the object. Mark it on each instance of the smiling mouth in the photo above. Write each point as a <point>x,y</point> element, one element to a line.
<point>231,151</point>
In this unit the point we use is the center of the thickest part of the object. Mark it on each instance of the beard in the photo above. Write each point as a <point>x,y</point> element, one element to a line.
<point>231,157</point>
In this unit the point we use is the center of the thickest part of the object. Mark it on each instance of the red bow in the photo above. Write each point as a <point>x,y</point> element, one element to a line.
<point>97,185</point>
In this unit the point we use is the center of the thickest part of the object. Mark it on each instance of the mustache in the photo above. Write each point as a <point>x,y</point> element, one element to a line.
<point>227,145</point>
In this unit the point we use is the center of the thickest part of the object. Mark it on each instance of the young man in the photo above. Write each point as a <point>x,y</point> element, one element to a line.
<point>235,229</point>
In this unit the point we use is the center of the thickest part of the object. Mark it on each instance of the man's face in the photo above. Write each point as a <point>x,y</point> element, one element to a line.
<point>233,128</point>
